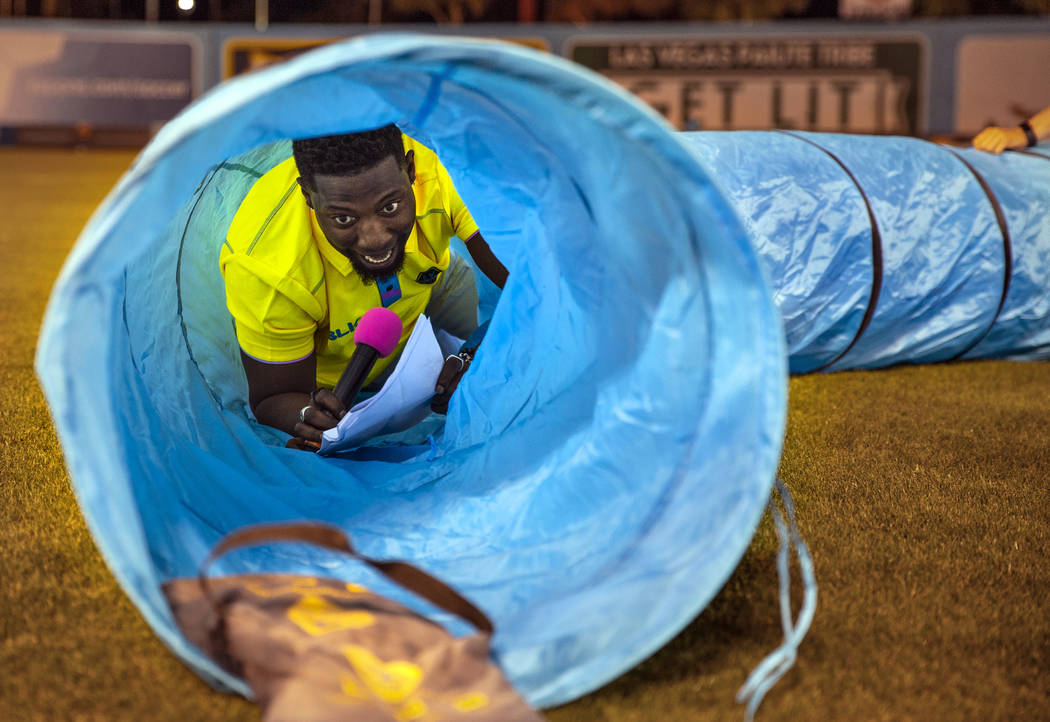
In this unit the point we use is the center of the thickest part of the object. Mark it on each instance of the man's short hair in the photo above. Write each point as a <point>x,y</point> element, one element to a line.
<point>347,154</point>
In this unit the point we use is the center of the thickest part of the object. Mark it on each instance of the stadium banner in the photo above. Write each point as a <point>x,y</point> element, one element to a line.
<point>1001,80</point>
<point>247,53</point>
<point>848,84</point>
<point>909,78</point>
<point>104,79</point>
<point>241,54</point>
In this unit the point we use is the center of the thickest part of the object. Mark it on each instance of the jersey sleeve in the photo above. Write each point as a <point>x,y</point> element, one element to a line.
<point>275,317</point>
<point>459,215</point>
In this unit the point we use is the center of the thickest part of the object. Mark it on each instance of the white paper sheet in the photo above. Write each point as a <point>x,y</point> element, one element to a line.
<point>404,400</point>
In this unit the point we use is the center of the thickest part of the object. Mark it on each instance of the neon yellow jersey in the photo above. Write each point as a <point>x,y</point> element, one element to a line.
<point>292,293</point>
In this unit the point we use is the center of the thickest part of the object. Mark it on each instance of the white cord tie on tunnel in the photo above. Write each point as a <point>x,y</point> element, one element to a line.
<point>778,662</point>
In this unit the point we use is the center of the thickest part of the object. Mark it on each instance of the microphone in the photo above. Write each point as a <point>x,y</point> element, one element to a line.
<point>376,336</point>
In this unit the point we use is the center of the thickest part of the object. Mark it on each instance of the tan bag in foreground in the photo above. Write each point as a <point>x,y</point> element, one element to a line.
<point>319,650</point>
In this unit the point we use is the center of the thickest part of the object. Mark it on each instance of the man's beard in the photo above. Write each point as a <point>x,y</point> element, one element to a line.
<point>368,275</point>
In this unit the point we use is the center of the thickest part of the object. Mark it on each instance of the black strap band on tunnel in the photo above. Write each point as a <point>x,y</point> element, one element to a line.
<point>206,181</point>
<point>1008,256</point>
<point>876,253</point>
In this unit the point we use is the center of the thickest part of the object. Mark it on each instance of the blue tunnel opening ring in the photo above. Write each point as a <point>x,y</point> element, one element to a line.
<point>602,467</point>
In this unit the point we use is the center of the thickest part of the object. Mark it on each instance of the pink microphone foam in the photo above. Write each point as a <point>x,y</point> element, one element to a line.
<point>379,328</point>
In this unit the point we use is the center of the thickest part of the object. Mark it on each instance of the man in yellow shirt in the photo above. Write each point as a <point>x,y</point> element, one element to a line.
<point>350,222</point>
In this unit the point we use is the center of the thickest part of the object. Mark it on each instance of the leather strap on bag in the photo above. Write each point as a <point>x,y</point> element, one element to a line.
<point>405,575</point>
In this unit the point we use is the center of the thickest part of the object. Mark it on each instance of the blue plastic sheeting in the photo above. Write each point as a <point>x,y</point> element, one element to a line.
<point>604,463</point>
<point>887,250</point>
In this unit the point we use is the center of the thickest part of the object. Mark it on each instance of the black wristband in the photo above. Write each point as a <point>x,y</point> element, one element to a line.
<point>1029,133</point>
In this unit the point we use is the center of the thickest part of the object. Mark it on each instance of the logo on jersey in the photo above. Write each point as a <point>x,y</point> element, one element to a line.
<point>428,276</point>
<point>340,333</point>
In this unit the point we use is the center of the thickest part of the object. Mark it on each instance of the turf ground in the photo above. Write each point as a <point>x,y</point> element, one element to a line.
<point>922,492</point>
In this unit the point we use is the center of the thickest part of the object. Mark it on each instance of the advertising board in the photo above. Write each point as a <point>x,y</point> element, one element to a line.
<point>851,84</point>
<point>103,79</point>
<point>243,54</point>
<point>1000,80</point>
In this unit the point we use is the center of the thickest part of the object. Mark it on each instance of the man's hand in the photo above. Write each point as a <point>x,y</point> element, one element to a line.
<point>448,380</point>
<point>994,139</point>
<point>323,412</point>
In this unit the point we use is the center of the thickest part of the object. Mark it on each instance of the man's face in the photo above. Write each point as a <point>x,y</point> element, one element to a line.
<point>367,217</point>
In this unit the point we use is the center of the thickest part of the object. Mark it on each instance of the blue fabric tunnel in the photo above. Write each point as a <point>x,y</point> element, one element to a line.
<point>606,460</point>
<point>887,250</point>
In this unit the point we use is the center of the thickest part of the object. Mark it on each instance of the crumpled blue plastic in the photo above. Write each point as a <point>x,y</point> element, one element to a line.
<point>606,459</point>
<point>947,277</point>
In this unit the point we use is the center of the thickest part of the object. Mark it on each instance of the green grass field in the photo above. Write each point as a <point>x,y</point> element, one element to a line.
<point>923,493</point>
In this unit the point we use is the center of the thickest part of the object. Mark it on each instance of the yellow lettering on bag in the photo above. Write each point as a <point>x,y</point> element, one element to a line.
<point>390,681</point>
<point>412,709</point>
<point>296,585</point>
<point>351,688</point>
<point>300,585</point>
<point>471,702</point>
<point>317,616</point>
<point>267,588</point>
